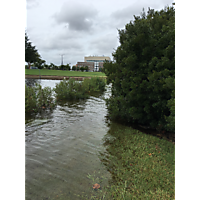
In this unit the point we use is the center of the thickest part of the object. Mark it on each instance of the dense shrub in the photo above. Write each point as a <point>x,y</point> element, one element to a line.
<point>30,99</point>
<point>170,126</point>
<point>37,99</point>
<point>73,89</point>
<point>95,84</point>
<point>143,73</point>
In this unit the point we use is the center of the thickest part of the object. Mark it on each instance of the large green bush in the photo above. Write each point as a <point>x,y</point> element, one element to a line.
<point>170,126</point>
<point>95,84</point>
<point>143,72</point>
<point>73,89</point>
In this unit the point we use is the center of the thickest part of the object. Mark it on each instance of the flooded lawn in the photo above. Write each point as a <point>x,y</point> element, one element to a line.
<point>63,146</point>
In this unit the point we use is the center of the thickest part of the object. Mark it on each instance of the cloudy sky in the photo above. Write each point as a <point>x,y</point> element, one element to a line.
<point>78,28</point>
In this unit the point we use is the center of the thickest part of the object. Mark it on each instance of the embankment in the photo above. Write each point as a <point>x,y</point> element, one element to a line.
<point>55,77</point>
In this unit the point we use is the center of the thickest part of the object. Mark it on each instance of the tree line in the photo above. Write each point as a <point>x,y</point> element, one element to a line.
<point>51,66</point>
<point>33,58</point>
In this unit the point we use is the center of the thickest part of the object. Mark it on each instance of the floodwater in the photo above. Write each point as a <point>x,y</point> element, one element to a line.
<point>62,147</point>
<point>66,148</point>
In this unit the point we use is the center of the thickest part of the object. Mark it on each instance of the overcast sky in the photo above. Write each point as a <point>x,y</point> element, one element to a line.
<point>78,28</point>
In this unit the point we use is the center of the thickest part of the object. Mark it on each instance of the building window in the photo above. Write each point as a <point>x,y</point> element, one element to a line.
<point>94,60</point>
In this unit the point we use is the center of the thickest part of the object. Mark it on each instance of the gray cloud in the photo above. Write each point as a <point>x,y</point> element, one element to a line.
<point>104,44</point>
<point>77,29</point>
<point>59,44</point>
<point>52,48</point>
<point>31,4</point>
<point>76,16</point>
<point>123,16</point>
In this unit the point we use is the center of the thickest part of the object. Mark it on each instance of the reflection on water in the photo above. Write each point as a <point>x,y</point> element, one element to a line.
<point>31,82</point>
<point>62,147</point>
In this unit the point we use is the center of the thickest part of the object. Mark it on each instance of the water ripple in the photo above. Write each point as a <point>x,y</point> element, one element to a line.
<point>63,148</point>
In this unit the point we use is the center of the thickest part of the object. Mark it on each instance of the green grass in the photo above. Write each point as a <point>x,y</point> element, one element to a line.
<point>142,167</point>
<point>62,73</point>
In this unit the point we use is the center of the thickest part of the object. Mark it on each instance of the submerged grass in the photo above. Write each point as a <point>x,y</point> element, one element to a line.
<point>142,167</point>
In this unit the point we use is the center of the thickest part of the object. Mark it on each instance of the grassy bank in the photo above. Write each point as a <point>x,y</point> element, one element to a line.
<point>142,167</point>
<point>62,73</point>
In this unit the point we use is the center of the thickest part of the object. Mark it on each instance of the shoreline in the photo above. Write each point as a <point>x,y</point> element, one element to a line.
<point>78,78</point>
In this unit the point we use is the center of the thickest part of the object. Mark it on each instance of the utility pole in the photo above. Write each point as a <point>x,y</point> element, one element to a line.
<point>62,58</point>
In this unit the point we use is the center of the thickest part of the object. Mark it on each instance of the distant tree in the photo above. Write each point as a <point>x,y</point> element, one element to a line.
<point>86,68</point>
<point>74,68</point>
<point>55,67</point>
<point>40,64</point>
<point>100,69</point>
<point>51,65</point>
<point>61,67</point>
<point>46,66</point>
<point>82,68</point>
<point>78,68</point>
<point>67,67</point>
<point>31,53</point>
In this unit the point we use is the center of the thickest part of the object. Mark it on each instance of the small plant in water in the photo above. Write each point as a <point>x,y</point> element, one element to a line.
<point>38,98</point>
<point>73,89</point>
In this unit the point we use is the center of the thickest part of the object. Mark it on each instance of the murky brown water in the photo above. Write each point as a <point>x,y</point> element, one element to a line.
<point>67,144</point>
<point>62,148</point>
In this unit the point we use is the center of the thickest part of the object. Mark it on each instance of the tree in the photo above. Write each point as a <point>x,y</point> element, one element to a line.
<point>65,67</point>
<point>51,66</point>
<point>100,69</point>
<point>86,68</point>
<point>40,64</point>
<point>82,68</point>
<point>55,67</point>
<point>46,66</point>
<point>74,68</point>
<point>143,73</point>
<point>31,53</point>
